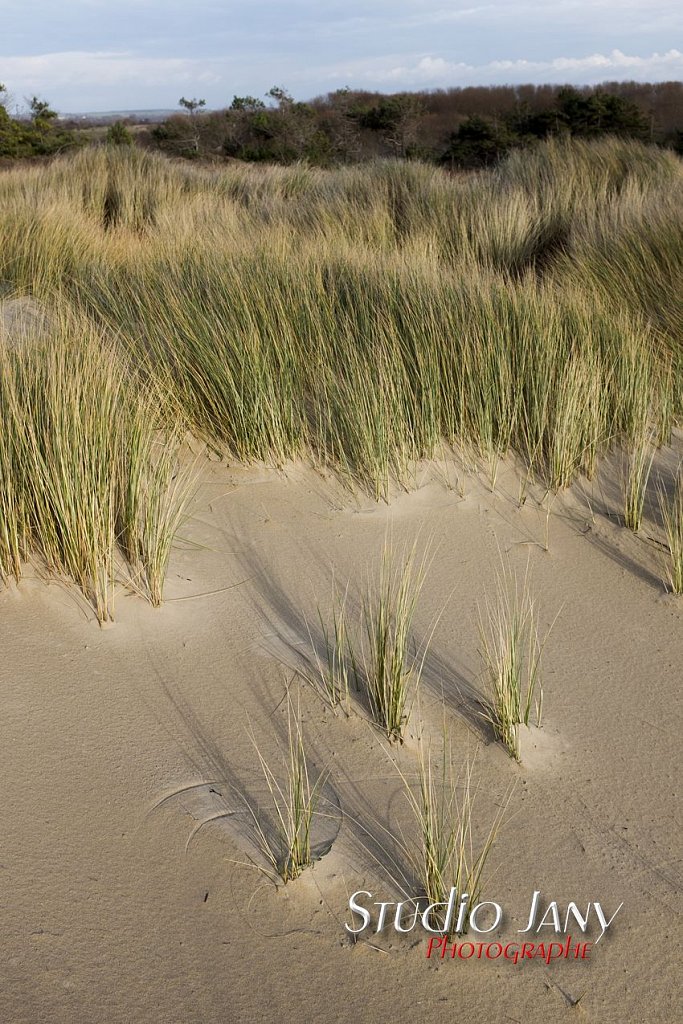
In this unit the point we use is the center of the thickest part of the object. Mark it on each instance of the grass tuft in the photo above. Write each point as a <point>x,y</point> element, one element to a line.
<point>389,662</point>
<point>636,476</point>
<point>672,517</point>
<point>447,853</point>
<point>337,668</point>
<point>511,650</point>
<point>295,800</point>
<point>87,466</point>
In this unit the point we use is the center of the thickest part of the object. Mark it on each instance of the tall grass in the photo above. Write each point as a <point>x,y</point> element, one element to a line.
<point>636,475</point>
<point>511,650</point>
<point>79,481</point>
<point>450,852</point>
<point>377,655</point>
<point>389,667</point>
<point>672,516</point>
<point>335,668</point>
<point>294,801</point>
<point>363,315</point>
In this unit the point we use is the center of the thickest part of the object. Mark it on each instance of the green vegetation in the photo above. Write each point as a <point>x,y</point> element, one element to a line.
<point>637,474</point>
<point>379,656</point>
<point>40,135</point>
<point>511,649</point>
<point>86,468</point>
<point>461,128</point>
<point>389,669</point>
<point>336,667</point>
<point>672,516</point>
<point>288,849</point>
<point>447,823</point>
<point>360,317</point>
<point>118,134</point>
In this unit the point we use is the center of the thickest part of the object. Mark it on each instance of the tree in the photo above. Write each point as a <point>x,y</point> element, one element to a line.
<point>118,134</point>
<point>478,142</point>
<point>246,104</point>
<point>41,112</point>
<point>281,96</point>
<point>10,135</point>
<point>396,118</point>
<point>192,106</point>
<point>601,113</point>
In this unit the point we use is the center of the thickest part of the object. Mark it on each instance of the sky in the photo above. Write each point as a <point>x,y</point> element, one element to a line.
<point>96,55</point>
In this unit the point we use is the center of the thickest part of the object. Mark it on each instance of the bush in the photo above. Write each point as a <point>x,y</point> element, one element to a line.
<point>119,135</point>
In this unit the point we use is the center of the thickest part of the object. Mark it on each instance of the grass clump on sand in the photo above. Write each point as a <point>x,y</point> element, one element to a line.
<point>511,650</point>
<point>288,848</point>
<point>636,476</point>
<point>389,668</point>
<point>672,517</point>
<point>86,471</point>
<point>447,853</point>
<point>380,656</point>
<point>336,667</point>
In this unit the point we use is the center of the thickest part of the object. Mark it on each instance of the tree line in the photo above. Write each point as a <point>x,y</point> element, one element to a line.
<point>459,128</point>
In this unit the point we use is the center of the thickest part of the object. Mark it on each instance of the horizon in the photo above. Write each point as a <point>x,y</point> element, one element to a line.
<point>170,110</point>
<point>143,55</point>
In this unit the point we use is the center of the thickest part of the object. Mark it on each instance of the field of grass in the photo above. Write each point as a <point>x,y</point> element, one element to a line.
<point>359,317</point>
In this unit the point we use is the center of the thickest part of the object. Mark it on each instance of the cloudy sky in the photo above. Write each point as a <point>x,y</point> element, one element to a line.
<point>88,55</point>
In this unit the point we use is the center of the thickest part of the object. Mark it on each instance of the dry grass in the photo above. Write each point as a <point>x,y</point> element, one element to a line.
<point>360,317</point>
<point>86,465</point>
<point>366,314</point>
<point>449,852</point>
<point>672,516</point>
<point>511,650</point>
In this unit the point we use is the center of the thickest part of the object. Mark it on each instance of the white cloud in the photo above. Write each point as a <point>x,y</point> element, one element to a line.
<point>106,79</point>
<point>434,71</point>
<point>83,71</point>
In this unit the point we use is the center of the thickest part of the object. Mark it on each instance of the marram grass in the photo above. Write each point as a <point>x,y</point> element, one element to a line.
<point>376,655</point>
<point>671,507</point>
<point>294,795</point>
<point>511,649</point>
<point>449,849</point>
<point>86,466</point>
<point>362,316</point>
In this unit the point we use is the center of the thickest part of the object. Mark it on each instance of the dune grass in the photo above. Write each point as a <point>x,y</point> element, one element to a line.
<point>450,850</point>
<point>511,649</point>
<point>636,475</point>
<point>336,671</point>
<point>294,802</point>
<point>376,655</point>
<point>390,669</point>
<point>85,465</point>
<point>358,317</point>
<point>672,517</point>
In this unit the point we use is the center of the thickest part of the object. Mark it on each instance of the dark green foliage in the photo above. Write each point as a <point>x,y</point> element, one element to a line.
<point>119,135</point>
<point>479,142</point>
<point>41,112</point>
<point>601,113</point>
<point>41,136</point>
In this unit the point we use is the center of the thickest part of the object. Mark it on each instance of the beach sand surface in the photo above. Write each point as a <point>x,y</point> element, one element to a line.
<point>132,889</point>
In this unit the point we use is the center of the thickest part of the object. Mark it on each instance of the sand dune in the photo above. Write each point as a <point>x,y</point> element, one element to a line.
<point>123,902</point>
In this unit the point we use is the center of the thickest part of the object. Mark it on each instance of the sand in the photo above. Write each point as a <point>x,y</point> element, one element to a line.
<point>119,905</point>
